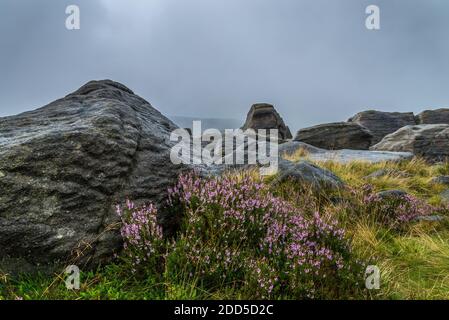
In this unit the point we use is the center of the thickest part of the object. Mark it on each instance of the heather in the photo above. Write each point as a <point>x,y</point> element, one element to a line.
<point>397,213</point>
<point>235,232</point>
<point>241,236</point>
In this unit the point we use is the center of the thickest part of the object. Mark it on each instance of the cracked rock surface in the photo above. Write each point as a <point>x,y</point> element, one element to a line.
<point>430,141</point>
<point>381,123</point>
<point>336,136</point>
<point>65,166</point>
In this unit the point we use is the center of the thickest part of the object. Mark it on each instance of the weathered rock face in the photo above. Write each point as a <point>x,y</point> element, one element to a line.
<point>335,136</point>
<point>381,123</point>
<point>430,141</point>
<point>440,116</point>
<point>63,168</point>
<point>265,116</point>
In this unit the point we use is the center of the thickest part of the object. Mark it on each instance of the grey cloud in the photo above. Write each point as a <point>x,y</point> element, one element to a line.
<point>313,59</point>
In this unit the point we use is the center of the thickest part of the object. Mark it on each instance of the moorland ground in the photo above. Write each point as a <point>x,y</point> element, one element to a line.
<point>412,254</point>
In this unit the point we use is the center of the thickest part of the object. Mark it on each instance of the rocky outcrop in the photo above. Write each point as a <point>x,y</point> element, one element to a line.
<point>335,136</point>
<point>341,156</point>
<point>63,168</point>
<point>381,123</point>
<point>430,141</point>
<point>439,116</point>
<point>265,116</point>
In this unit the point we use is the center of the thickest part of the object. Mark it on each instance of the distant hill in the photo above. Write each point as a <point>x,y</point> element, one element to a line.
<point>207,123</point>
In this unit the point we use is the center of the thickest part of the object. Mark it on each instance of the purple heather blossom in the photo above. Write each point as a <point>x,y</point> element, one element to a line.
<point>235,229</point>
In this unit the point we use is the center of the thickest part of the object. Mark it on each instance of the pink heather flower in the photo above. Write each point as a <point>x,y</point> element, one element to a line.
<point>397,212</point>
<point>225,218</point>
<point>140,231</point>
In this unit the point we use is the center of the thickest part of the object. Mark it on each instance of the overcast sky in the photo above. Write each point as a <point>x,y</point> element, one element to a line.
<point>313,59</point>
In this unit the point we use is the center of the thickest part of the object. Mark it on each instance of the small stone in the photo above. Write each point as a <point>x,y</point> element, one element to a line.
<point>392,194</point>
<point>440,180</point>
<point>445,196</point>
<point>434,218</point>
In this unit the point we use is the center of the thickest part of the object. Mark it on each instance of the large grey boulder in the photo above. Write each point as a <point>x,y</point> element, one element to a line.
<point>63,168</point>
<point>335,136</point>
<point>265,116</point>
<point>381,123</point>
<point>439,116</point>
<point>340,156</point>
<point>308,174</point>
<point>430,141</point>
